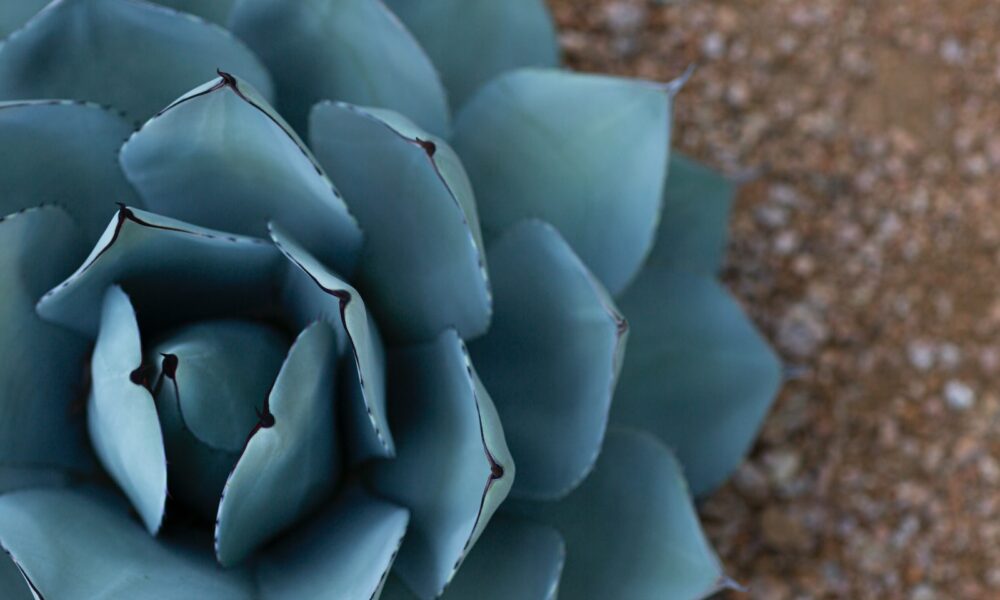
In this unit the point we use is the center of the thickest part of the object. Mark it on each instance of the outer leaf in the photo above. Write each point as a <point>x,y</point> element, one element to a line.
<point>63,152</point>
<point>473,41</point>
<point>311,291</point>
<point>121,415</point>
<point>212,379</point>
<point>453,468</point>
<point>222,158</point>
<point>132,55</point>
<point>422,268</point>
<point>695,224</point>
<point>41,365</point>
<point>12,582</point>
<point>216,11</point>
<point>513,559</point>
<point>76,544</point>
<point>698,375</point>
<point>551,358</point>
<point>630,528</point>
<point>14,15</point>
<point>350,50</point>
<point>173,271</point>
<point>345,553</point>
<point>20,478</point>
<point>594,169</point>
<point>291,461</point>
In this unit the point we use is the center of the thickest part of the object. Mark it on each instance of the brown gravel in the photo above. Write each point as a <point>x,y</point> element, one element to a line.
<point>866,248</point>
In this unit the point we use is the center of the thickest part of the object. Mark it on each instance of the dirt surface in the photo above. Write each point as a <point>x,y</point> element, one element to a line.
<point>866,247</point>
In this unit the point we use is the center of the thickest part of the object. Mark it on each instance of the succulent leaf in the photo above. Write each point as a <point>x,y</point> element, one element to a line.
<point>422,266</point>
<point>550,359</point>
<point>41,363</point>
<point>210,381</point>
<point>121,414</point>
<point>215,11</point>
<point>63,152</point>
<point>221,157</point>
<point>514,558</point>
<point>630,528</point>
<point>291,461</point>
<point>452,468</point>
<point>695,223</point>
<point>311,291</point>
<point>133,55</point>
<point>473,41</point>
<point>13,15</point>
<point>346,552</point>
<point>82,544</point>
<point>699,375</point>
<point>595,169</point>
<point>150,256</point>
<point>356,51</point>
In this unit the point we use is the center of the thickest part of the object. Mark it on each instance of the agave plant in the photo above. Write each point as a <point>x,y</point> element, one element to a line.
<point>236,365</point>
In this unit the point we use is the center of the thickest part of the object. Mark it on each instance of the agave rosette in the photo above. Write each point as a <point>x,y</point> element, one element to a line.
<point>237,365</point>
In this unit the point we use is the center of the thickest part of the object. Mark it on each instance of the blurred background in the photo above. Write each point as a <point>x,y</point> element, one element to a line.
<point>866,245</point>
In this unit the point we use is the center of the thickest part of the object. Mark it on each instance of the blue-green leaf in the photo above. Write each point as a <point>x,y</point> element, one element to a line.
<point>14,15</point>
<point>698,375</point>
<point>309,292</point>
<point>695,223</point>
<point>422,268</point>
<point>630,528</point>
<point>82,544</point>
<point>41,365</point>
<point>173,272</point>
<point>473,41</point>
<point>514,558</point>
<point>216,11</point>
<point>12,582</point>
<point>551,358</point>
<point>452,468</point>
<point>121,414</point>
<point>594,169</point>
<point>344,553</point>
<point>350,50</point>
<point>210,380</point>
<point>63,152</point>
<point>132,55</point>
<point>220,157</point>
<point>291,461</point>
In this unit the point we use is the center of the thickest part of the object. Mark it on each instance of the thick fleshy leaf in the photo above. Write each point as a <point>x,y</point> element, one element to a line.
<point>356,51</point>
<point>698,375</point>
<point>593,169</point>
<point>221,157</point>
<point>630,528</point>
<point>133,55</point>
<point>291,460</point>
<point>210,381</point>
<point>551,358</point>
<point>174,272</point>
<point>216,11</point>
<point>344,553</point>
<point>82,544</point>
<point>12,582</point>
<point>14,15</point>
<point>63,152</point>
<point>452,468</point>
<point>20,478</point>
<point>312,292</point>
<point>41,365</point>
<point>422,268</point>
<point>473,41</point>
<point>514,558</point>
<point>695,223</point>
<point>121,415</point>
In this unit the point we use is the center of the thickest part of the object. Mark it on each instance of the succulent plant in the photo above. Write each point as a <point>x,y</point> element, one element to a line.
<point>239,366</point>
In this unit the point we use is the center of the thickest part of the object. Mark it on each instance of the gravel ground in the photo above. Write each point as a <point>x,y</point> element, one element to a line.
<point>865,245</point>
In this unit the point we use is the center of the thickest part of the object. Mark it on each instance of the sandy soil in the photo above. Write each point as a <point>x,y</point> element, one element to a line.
<point>866,247</point>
